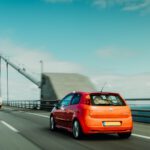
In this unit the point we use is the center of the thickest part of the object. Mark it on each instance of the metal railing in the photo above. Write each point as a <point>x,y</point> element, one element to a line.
<point>140,109</point>
<point>142,115</point>
<point>31,104</point>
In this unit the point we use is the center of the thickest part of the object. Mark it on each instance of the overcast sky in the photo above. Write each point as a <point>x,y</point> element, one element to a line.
<point>107,40</point>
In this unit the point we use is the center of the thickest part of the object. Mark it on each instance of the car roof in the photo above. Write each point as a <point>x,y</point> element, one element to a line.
<point>103,93</point>
<point>82,92</point>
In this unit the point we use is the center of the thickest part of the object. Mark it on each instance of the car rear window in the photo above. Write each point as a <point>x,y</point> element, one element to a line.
<point>106,100</point>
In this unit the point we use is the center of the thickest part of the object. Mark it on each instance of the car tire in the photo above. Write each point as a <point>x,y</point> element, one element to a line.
<point>52,124</point>
<point>124,135</point>
<point>76,130</point>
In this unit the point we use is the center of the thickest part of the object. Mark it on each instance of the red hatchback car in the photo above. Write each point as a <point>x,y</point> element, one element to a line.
<point>88,113</point>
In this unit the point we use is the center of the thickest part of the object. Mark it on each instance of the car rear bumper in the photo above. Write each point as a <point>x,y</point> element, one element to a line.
<point>92,125</point>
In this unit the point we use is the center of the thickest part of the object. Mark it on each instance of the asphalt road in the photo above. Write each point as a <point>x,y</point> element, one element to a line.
<point>29,130</point>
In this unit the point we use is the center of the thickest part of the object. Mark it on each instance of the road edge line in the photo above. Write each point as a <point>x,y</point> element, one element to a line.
<point>141,136</point>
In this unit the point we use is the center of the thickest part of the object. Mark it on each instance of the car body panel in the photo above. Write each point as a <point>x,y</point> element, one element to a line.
<point>60,117</point>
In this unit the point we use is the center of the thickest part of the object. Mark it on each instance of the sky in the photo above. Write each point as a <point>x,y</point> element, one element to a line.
<point>106,40</point>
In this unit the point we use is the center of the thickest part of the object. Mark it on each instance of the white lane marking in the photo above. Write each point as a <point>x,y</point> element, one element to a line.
<point>141,136</point>
<point>9,126</point>
<point>21,111</point>
<point>39,115</point>
<point>8,108</point>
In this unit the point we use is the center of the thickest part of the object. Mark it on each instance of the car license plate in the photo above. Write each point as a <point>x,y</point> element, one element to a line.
<point>112,123</point>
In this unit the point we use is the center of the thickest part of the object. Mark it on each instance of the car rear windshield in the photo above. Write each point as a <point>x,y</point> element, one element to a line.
<point>106,100</point>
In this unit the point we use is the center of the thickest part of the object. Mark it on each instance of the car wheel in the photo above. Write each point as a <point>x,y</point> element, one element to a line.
<point>52,124</point>
<point>76,130</point>
<point>124,135</point>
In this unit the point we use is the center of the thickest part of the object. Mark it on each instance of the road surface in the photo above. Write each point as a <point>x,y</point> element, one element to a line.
<point>29,130</point>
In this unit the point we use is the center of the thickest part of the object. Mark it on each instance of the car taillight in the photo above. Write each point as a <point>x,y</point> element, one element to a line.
<point>87,100</point>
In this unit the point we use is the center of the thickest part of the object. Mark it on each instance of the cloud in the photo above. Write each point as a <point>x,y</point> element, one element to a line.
<point>103,3</point>
<point>110,52</point>
<point>145,4</point>
<point>133,86</point>
<point>20,87</point>
<point>58,1</point>
<point>30,58</point>
<point>127,5</point>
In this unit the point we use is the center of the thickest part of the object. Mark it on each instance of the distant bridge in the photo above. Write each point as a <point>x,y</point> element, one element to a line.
<point>53,85</point>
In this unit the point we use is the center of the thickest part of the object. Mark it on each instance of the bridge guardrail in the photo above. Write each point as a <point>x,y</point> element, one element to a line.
<point>142,115</point>
<point>140,109</point>
<point>31,104</point>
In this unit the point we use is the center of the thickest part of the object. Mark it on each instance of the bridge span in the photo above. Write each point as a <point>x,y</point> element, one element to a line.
<point>22,130</point>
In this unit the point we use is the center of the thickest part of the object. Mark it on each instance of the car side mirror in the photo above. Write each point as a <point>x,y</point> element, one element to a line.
<point>56,106</point>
